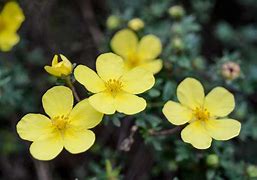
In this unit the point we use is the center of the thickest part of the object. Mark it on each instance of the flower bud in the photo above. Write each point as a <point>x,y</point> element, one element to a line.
<point>59,69</point>
<point>212,160</point>
<point>230,70</point>
<point>252,171</point>
<point>136,24</point>
<point>113,22</point>
<point>176,12</point>
<point>178,44</point>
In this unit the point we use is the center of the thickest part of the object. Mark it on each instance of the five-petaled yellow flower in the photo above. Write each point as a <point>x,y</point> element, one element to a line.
<point>58,69</point>
<point>206,115</point>
<point>66,128</point>
<point>114,88</point>
<point>138,54</point>
<point>11,18</point>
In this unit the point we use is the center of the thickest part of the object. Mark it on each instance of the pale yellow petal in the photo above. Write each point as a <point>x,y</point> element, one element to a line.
<point>223,129</point>
<point>219,102</point>
<point>84,115</point>
<point>176,113</point>
<point>124,43</point>
<point>55,60</point>
<point>149,47</point>
<point>153,66</point>
<point>53,71</point>
<point>109,66</point>
<point>190,93</point>
<point>12,15</point>
<point>32,126</point>
<point>58,101</point>
<point>103,102</point>
<point>78,140</point>
<point>195,134</point>
<point>47,147</point>
<point>89,79</point>
<point>8,40</point>
<point>137,81</point>
<point>129,104</point>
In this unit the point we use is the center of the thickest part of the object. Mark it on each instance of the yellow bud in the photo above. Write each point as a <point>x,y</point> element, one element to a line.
<point>136,24</point>
<point>59,69</point>
<point>176,12</point>
<point>113,22</point>
<point>230,70</point>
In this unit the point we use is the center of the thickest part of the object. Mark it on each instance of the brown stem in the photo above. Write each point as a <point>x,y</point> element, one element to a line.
<point>70,84</point>
<point>42,170</point>
<point>165,132</point>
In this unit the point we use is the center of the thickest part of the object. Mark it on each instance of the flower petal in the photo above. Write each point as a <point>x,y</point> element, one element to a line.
<point>149,47</point>
<point>195,134</point>
<point>103,102</point>
<point>8,40</point>
<point>223,129</point>
<point>137,81</point>
<point>190,93</point>
<point>124,43</point>
<point>55,71</point>
<point>109,66</point>
<point>219,102</point>
<point>47,147</point>
<point>84,115</point>
<point>13,15</point>
<point>89,79</point>
<point>129,104</point>
<point>58,101</point>
<point>78,140</point>
<point>32,126</point>
<point>176,113</point>
<point>153,66</point>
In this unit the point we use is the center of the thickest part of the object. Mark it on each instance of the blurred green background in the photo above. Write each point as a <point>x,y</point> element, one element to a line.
<point>206,39</point>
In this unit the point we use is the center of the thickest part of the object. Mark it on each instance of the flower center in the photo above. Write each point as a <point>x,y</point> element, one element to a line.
<point>2,25</point>
<point>113,86</point>
<point>201,114</point>
<point>60,122</point>
<point>133,60</point>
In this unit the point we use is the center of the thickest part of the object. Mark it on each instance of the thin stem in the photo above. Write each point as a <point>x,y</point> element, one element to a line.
<point>165,132</point>
<point>70,84</point>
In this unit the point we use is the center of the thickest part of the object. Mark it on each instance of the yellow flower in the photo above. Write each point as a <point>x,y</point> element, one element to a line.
<point>206,115</point>
<point>138,54</point>
<point>62,68</point>
<point>66,128</point>
<point>136,24</point>
<point>11,18</point>
<point>113,88</point>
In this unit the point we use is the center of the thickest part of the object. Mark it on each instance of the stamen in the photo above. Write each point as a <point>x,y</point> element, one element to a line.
<point>60,122</point>
<point>201,114</point>
<point>113,86</point>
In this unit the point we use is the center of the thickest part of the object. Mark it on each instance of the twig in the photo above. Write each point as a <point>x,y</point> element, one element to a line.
<point>70,84</point>
<point>42,170</point>
<point>89,18</point>
<point>166,131</point>
<point>126,144</point>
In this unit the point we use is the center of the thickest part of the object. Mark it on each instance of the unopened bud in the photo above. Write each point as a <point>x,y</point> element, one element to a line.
<point>230,70</point>
<point>113,22</point>
<point>212,160</point>
<point>136,24</point>
<point>176,12</point>
<point>252,171</point>
<point>178,44</point>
